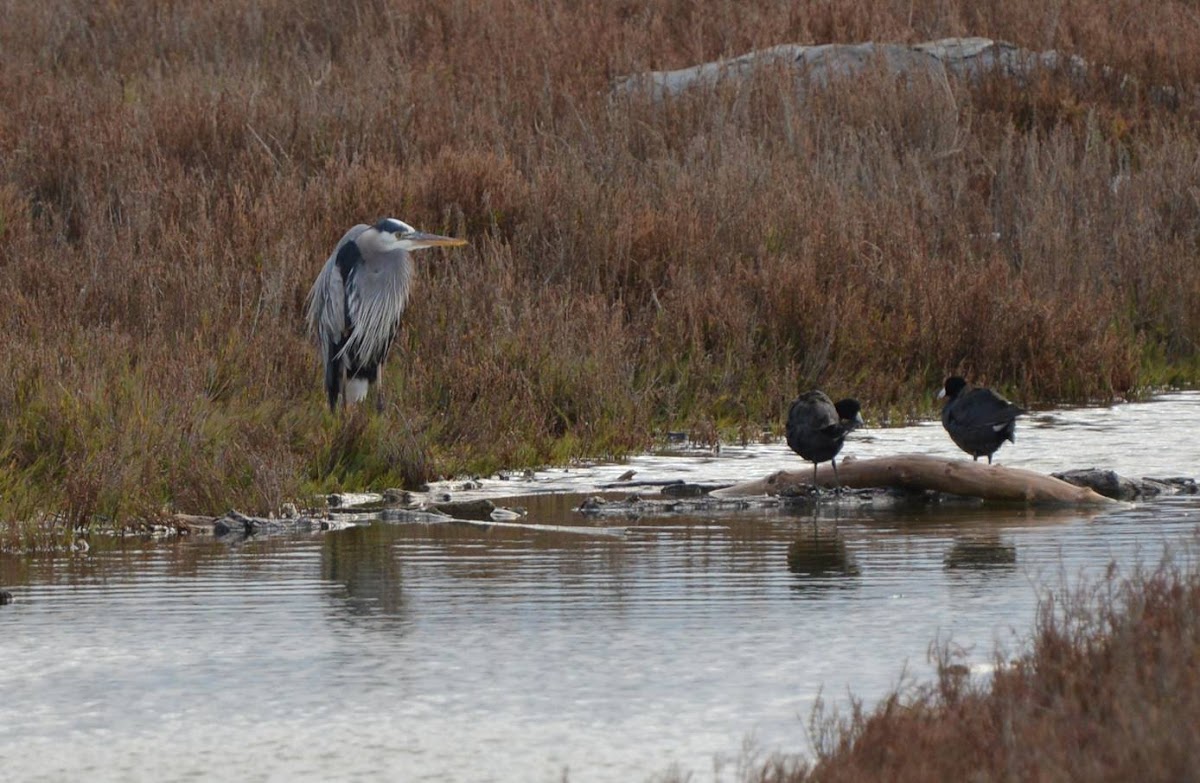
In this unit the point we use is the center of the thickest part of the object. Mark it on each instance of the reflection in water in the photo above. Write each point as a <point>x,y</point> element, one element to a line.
<point>968,516</point>
<point>821,554</point>
<point>111,558</point>
<point>362,560</point>
<point>981,552</point>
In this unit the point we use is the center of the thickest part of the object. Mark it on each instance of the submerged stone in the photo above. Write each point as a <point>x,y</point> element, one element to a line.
<point>1113,485</point>
<point>467,509</point>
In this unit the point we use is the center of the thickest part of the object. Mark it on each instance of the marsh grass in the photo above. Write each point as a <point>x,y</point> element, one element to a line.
<point>173,176</point>
<point>1109,691</point>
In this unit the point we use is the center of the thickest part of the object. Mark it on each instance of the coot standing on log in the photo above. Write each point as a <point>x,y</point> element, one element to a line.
<point>978,419</point>
<point>817,428</point>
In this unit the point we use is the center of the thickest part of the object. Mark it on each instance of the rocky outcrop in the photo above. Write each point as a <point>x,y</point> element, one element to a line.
<point>821,65</point>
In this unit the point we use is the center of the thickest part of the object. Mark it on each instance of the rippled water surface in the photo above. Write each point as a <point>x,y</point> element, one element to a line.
<point>450,652</point>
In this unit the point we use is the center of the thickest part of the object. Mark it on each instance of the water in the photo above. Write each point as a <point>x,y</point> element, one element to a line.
<point>448,652</point>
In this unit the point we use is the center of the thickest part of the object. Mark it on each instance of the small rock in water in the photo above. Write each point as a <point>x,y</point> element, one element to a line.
<point>5,597</point>
<point>1105,482</point>
<point>591,505</point>
<point>1110,484</point>
<point>683,490</point>
<point>1179,484</point>
<point>398,497</point>
<point>289,511</point>
<point>235,522</point>
<point>798,491</point>
<point>468,509</point>
<point>627,475</point>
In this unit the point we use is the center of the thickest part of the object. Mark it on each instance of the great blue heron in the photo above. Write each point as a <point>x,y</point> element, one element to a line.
<point>817,428</point>
<point>978,419</point>
<point>356,303</point>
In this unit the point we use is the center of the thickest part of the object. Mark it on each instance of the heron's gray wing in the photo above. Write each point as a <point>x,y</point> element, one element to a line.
<point>376,295</point>
<point>327,299</point>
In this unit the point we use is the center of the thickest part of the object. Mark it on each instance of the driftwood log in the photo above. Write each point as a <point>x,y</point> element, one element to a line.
<point>921,472</point>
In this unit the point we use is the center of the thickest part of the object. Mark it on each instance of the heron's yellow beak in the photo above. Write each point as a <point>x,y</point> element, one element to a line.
<point>420,239</point>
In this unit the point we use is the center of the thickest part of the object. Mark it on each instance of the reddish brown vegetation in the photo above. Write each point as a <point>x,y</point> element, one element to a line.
<point>172,175</point>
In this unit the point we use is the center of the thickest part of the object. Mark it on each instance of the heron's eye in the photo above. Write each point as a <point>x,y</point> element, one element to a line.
<point>399,235</point>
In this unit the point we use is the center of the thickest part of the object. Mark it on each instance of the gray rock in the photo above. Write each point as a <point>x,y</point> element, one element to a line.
<point>1110,484</point>
<point>467,509</point>
<point>825,64</point>
<point>1105,482</point>
<point>685,490</point>
<point>398,497</point>
<point>593,505</point>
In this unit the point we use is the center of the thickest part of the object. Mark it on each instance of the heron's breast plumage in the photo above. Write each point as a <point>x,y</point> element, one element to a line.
<point>376,294</point>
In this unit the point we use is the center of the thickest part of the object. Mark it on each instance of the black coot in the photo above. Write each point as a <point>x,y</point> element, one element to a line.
<point>978,419</point>
<point>816,428</point>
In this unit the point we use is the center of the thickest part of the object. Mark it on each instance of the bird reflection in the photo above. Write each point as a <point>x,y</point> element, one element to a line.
<point>821,554</point>
<point>362,560</point>
<point>981,553</point>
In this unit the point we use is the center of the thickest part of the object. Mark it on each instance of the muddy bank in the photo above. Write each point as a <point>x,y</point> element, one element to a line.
<point>635,499</point>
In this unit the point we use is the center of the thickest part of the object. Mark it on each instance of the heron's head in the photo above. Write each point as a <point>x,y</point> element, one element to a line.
<point>398,235</point>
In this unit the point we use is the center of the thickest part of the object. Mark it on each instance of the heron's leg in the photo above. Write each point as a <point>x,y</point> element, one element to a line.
<point>815,487</point>
<point>836,479</point>
<point>379,398</point>
<point>989,459</point>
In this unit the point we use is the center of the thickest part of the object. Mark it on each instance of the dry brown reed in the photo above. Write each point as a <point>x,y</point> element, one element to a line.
<point>172,176</point>
<point>1110,691</point>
